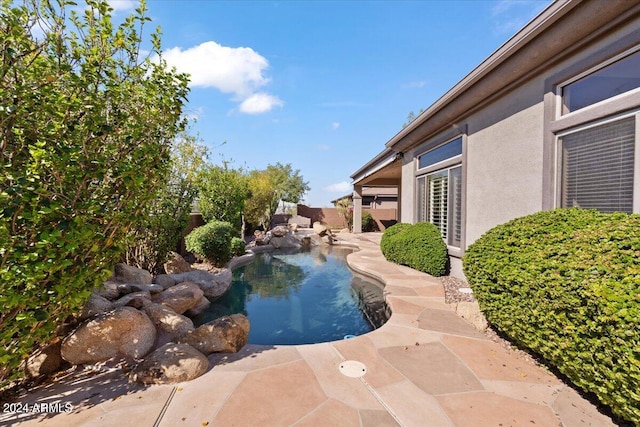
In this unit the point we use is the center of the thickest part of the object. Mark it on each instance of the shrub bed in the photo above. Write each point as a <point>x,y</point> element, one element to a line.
<point>566,284</point>
<point>212,241</point>
<point>419,246</point>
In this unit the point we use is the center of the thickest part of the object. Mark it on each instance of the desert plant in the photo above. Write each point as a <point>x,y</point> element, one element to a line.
<point>86,125</point>
<point>566,284</point>
<point>212,241</point>
<point>419,246</point>
<point>368,223</point>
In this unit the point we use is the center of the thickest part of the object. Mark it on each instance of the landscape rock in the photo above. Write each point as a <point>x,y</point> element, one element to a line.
<point>200,308</point>
<point>214,285</point>
<point>293,227</point>
<point>171,363</point>
<point>279,231</point>
<point>319,229</point>
<point>227,334</point>
<point>276,242</point>
<point>127,274</point>
<point>471,312</point>
<point>176,264</point>
<point>134,299</point>
<point>181,297</point>
<point>168,321</point>
<point>165,281</point>
<point>124,332</point>
<point>45,361</point>
<point>95,305</point>
<point>328,239</point>
<point>152,289</point>
<point>109,290</point>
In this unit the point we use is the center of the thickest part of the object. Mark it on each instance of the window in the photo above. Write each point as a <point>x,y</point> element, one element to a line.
<point>439,191</point>
<point>597,167</point>
<point>614,78</point>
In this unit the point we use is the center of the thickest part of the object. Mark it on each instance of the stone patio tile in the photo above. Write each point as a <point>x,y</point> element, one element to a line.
<point>390,335</point>
<point>402,306</point>
<point>253,357</point>
<point>325,362</point>
<point>432,368</point>
<point>371,418</point>
<point>409,320</point>
<point>280,395</point>
<point>427,302</point>
<point>399,290</point>
<point>489,409</point>
<point>332,413</point>
<point>449,322</point>
<point>489,360</point>
<point>540,394</point>
<point>430,291</point>
<point>573,410</point>
<point>413,407</point>
<point>379,373</point>
<point>198,401</point>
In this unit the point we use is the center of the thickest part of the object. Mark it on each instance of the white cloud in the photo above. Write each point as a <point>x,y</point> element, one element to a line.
<point>322,147</point>
<point>414,85</point>
<point>340,187</point>
<point>335,125</point>
<point>119,5</point>
<point>239,71</point>
<point>260,103</point>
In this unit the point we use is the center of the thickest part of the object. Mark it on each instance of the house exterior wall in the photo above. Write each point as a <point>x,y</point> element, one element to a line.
<point>508,163</point>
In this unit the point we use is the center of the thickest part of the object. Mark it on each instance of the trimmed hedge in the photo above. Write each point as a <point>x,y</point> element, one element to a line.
<point>237,247</point>
<point>419,246</point>
<point>566,284</point>
<point>212,241</point>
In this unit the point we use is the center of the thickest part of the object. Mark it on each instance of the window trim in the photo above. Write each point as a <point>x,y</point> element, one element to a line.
<point>557,194</point>
<point>603,64</point>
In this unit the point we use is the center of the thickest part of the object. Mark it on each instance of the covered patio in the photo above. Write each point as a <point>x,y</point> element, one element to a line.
<point>384,170</point>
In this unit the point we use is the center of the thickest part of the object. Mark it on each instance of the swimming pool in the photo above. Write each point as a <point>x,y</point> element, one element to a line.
<point>301,297</point>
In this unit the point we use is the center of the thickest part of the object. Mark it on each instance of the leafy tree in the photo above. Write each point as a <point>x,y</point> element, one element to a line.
<point>411,117</point>
<point>222,194</point>
<point>289,185</point>
<point>86,126</point>
<point>169,212</point>
<point>258,206</point>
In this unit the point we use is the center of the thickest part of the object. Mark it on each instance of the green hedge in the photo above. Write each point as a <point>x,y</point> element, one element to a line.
<point>237,247</point>
<point>566,284</point>
<point>212,241</point>
<point>419,246</point>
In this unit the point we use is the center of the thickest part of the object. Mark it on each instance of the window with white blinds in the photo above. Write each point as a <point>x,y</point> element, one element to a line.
<point>598,167</point>
<point>439,202</point>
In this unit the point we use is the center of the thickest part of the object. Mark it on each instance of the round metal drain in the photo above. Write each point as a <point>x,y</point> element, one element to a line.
<point>465,290</point>
<point>353,368</point>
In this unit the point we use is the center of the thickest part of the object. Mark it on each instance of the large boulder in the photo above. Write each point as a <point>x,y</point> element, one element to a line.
<point>95,305</point>
<point>202,306</point>
<point>319,229</point>
<point>45,361</point>
<point>164,280</point>
<point>176,264</point>
<point>109,290</point>
<point>126,274</point>
<point>181,297</point>
<point>134,299</point>
<point>171,363</point>
<point>279,231</point>
<point>214,285</point>
<point>227,334</point>
<point>169,322</point>
<point>122,332</point>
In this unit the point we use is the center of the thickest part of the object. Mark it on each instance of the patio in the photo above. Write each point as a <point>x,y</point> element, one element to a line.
<point>425,367</point>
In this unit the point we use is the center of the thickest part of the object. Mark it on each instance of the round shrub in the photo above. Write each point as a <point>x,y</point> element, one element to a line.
<point>566,284</point>
<point>212,241</point>
<point>419,246</point>
<point>237,247</point>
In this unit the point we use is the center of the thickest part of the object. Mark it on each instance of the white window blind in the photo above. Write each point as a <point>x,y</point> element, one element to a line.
<point>455,206</point>
<point>437,185</point>
<point>597,167</point>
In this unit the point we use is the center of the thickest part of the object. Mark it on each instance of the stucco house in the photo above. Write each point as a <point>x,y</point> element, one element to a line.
<point>550,119</point>
<point>374,198</point>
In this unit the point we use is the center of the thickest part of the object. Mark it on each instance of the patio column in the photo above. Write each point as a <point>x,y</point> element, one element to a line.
<point>357,208</point>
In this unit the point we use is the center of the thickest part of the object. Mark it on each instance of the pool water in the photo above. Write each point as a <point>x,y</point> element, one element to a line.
<point>301,298</point>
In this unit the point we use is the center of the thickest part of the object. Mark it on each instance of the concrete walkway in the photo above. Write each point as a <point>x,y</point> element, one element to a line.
<point>425,367</point>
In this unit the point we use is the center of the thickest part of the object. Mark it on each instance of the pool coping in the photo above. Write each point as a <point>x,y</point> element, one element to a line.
<point>425,366</point>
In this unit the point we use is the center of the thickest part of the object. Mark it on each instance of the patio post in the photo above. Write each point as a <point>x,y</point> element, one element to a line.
<point>357,208</point>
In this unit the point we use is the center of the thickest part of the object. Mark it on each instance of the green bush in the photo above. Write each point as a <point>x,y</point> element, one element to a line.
<point>86,126</point>
<point>368,223</point>
<point>212,241</point>
<point>419,246</point>
<point>237,247</point>
<point>566,284</point>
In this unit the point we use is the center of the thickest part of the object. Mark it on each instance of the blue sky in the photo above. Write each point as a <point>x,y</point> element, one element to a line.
<point>322,85</point>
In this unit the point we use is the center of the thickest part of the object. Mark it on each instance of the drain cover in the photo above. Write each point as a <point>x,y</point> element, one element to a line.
<point>353,368</point>
<point>465,290</point>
